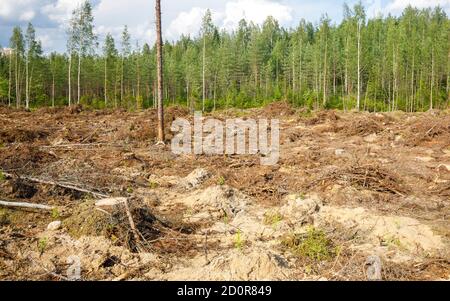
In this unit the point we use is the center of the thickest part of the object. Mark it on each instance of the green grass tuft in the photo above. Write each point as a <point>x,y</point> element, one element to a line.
<point>314,245</point>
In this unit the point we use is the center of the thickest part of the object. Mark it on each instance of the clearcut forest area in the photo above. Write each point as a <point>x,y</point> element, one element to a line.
<point>91,189</point>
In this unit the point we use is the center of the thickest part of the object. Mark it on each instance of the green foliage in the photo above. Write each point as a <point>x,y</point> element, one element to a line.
<point>221,181</point>
<point>4,217</point>
<point>314,245</point>
<point>403,65</point>
<point>55,214</point>
<point>2,176</point>
<point>239,241</point>
<point>272,218</point>
<point>3,88</point>
<point>153,185</point>
<point>42,244</point>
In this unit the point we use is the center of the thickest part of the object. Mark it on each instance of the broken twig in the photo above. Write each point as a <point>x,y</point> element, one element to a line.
<point>25,205</point>
<point>59,184</point>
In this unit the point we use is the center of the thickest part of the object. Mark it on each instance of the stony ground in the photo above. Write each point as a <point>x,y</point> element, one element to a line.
<point>353,194</point>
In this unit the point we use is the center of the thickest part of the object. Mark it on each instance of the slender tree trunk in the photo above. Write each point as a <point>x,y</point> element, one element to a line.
<point>325,75</point>
<point>70,79</point>
<point>121,80</point>
<point>17,80</point>
<point>27,87</point>
<point>187,94</point>
<point>10,79</point>
<point>215,82</point>
<point>359,67</point>
<point>79,79</point>
<point>346,68</point>
<point>293,71</point>
<point>412,85</point>
<point>106,81</point>
<point>53,89</point>
<point>432,79</point>
<point>159,44</point>
<point>300,67</point>
<point>115,84</point>
<point>138,88</point>
<point>204,73</point>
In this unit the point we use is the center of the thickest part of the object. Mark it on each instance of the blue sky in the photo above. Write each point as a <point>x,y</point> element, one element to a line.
<point>179,16</point>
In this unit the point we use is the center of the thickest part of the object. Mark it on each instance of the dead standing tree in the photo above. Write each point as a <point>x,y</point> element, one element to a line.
<point>159,63</point>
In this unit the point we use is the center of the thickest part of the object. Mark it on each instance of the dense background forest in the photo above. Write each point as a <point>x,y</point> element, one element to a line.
<point>380,64</point>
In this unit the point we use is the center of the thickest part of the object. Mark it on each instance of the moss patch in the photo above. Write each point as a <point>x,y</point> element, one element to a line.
<point>4,217</point>
<point>87,221</point>
<point>272,218</point>
<point>314,244</point>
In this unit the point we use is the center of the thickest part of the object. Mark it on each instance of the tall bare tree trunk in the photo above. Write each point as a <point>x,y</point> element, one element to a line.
<point>359,66</point>
<point>138,88</point>
<point>204,73</point>
<point>159,56</point>
<point>121,81</point>
<point>17,80</point>
<point>27,87</point>
<point>70,79</point>
<point>79,77</point>
<point>53,90</point>
<point>325,75</point>
<point>10,79</point>
<point>293,71</point>
<point>115,85</point>
<point>106,81</point>
<point>432,78</point>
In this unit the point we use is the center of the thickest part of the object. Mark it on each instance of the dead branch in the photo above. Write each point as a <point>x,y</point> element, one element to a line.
<point>59,184</point>
<point>25,205</point>
<point>131,221</point>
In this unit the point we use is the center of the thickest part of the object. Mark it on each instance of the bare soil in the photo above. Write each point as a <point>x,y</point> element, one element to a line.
<point>371,184</point>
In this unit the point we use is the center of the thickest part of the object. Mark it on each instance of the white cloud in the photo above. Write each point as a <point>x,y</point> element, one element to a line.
<point>397,6</point>
<point>46,39</point>
<point>189,22</point>
<point>13,10</point>
<point>61,10</point>
<point>256,11</point>
<point>27,16</point>
<point>111,17</point>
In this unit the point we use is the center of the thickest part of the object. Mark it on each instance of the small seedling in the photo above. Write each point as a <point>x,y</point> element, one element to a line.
<point>4,218</point>
<point>153,185</point>
<point>130,190</point>
<point>55,213</point>
<point>2,176</point>
<point>226,219</point>
<point>272,218</point>
<point>42,244</point>
<point>239,241</point>
<point>314,245</point>
<point>391,241</point>
<point>221,181</point>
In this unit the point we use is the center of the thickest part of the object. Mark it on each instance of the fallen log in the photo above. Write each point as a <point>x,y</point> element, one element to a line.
<point>25,205</point>
<point>59,184</point>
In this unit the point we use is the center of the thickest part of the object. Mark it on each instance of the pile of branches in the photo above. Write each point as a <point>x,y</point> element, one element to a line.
<point>428,129</point>
<point>362,126</point>
<point>369,177</point>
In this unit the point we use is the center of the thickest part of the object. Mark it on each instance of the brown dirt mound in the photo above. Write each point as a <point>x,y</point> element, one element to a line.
<point>370,177</point>
<point>153,233</point>
<point>278,109</point>
<point>24,156</point>
<point>361,127</point>
<point>322,117</point>
<point>22,135</point>
<point>428,129</point>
